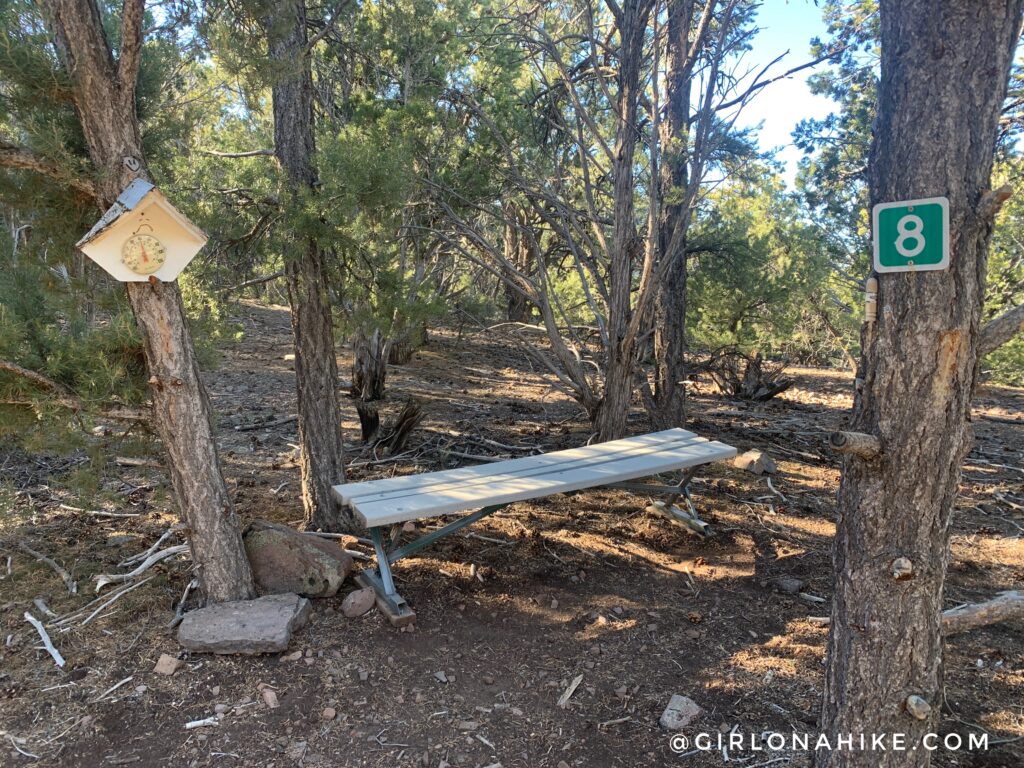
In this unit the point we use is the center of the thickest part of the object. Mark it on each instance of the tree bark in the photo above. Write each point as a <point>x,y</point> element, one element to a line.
<point>518,253</point>
<point>316,366</point>
<point>944,72</point>
<point>104,93</point>
<point>631,19</point>
<point>668,406</point>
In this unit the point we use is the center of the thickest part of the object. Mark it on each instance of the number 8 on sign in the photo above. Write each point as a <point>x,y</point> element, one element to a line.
<point>911,235</point>
<point>908,232</point>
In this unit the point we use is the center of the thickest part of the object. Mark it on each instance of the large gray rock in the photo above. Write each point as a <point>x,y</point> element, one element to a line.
<point>284,560</point>
<point>263,625</point>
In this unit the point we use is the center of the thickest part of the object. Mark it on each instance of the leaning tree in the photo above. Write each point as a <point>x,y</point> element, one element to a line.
<point>103,90</point>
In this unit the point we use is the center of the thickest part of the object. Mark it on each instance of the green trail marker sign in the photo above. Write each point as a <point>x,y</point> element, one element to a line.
<point>911,235</point>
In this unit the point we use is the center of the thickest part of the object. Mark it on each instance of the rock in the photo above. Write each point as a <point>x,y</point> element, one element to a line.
<point>789,585</point>
<point>264,625</point>
<point>167,665</point>
<point>329,713</point>
<point>357,603</point>
<point>488,679</point>
<point>220,709</point>
<point>270,697</point>
<point>284,560</point>
<point>756,462</point>
<point>680,712</point>
<point>441,677</point>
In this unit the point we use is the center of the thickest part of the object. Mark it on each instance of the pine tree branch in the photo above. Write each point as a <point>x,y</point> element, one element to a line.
<point>13,156</point>
<point>131,45</point>
<point>1000,330</point>
<point>246,153</point>
<point>36,378</point>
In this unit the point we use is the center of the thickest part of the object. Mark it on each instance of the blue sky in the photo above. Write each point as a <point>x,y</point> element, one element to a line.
<point>787,25</point>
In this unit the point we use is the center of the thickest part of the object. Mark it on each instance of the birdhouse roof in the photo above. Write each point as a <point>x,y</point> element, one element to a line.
<point>130,199</point>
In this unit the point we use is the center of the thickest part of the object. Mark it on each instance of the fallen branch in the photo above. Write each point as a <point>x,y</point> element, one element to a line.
<point>265,424</point>
<point>67,618</point>
<point>117,595</point>
<point>116,578</point>
<point>57,658</point>
<point>127,461</point>
<point>1006,606</point>
<point>773,490</point>
<point>98,512</point>
<point>111,689</point>
<point>64,575</point>
<point>143,555</point>
<point>179,611</point>
<point>44,608</point>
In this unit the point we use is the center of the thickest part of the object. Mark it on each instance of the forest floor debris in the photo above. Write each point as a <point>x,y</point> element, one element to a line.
<point>589,584</point>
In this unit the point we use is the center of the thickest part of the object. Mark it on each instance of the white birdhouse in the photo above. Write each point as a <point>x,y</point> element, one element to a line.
<point>141,236</point>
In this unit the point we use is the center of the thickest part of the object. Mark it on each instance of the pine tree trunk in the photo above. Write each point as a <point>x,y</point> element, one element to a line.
<point>612,415</point>
<point>181,413</point>
<point>104,94</point>
<point>944,74</point>
<point>668,404</point>
<point>519,254</point>
<point>618,385</point>
<point>369,366</point>
<point>316,366</point>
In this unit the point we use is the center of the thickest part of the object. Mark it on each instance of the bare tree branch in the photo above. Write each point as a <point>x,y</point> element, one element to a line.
<point>246,153</point>
<point>1000,330</point>
<point>13,156</point>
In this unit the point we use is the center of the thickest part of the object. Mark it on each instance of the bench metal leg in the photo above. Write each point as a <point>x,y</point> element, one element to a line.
<point>688,518</point>
<point>381,580</point>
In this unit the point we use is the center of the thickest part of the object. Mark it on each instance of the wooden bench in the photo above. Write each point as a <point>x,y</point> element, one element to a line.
<point>486,488</point>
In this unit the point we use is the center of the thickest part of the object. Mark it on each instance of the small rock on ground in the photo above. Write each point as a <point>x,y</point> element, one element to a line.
<point>680,712</point>
<point>358,602</point>
<point>264,625</point>
<point>756,462</point>
<point>167,664</point>
<point>788,585</point>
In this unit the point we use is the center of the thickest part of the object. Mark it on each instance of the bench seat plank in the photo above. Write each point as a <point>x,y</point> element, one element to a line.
<point>515,470</point>
<point>508,486</point>
<point>349,491</point>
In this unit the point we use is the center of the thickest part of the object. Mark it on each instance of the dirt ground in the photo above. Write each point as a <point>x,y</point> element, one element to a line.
<point>585,584</point>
